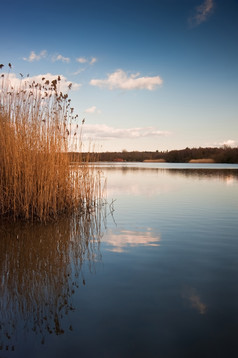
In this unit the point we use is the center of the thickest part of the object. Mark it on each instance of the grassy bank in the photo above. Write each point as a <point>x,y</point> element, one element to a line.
<point>204,160</point>
<point>37,129</point>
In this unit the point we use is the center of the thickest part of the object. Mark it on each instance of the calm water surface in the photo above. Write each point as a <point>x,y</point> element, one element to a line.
<point>154,274</point>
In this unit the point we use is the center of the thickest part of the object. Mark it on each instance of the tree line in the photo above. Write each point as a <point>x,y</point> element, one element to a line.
<point>218,155</point>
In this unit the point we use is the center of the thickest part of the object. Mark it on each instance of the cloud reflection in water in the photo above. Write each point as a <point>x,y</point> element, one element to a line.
<point>190,294</point>
<point>120,241</point>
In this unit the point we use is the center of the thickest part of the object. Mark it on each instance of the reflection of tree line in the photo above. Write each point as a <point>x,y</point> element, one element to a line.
<point>39,270</point>
<point>188,172</point>
<point>212,173</point>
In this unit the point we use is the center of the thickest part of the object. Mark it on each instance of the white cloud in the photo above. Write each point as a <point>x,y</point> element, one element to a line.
<point>229,143</point>
<point>202,12</point>
<point>103,132</point>
<point>34,57</point>
<point>61,58</point>
<point>119,79</point>
<point>92,109</point>
<point>16,82</point>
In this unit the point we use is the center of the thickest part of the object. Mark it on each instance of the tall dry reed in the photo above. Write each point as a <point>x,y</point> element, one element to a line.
<point>37,130</point>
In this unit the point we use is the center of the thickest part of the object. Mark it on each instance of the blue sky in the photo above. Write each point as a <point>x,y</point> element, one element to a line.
<point>147,75</point>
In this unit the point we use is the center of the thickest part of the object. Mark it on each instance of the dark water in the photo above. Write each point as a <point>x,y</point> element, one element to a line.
<point>154,274</point>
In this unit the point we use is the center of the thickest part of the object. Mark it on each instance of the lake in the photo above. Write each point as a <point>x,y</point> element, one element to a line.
<point>154,273</point>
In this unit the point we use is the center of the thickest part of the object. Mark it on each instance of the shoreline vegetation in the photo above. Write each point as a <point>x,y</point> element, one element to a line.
<point>223,154</point>
<point>37,129</point>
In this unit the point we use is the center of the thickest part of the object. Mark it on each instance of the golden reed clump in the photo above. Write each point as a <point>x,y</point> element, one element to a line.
<point>36,133</point>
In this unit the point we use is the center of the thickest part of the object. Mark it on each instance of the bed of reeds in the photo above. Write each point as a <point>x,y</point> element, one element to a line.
<point>37,130</point>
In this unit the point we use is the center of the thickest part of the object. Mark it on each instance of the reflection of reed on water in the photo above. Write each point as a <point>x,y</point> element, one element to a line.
<point>40,266</point>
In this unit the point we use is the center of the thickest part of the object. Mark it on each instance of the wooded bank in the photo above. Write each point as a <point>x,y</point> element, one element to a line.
<point>216,155</point>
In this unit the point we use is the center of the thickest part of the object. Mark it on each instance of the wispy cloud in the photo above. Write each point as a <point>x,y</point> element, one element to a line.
<point>93,60</point>
<point>34,57</point>
<point>90,61</point>
<point>202,12</point>
<point>84,61</point>
<point>60,58</point>
<point>103,132</point>
<point>92,110</point>
<point>78,71</point>
<point>16,82</point>
<point>81,60</point>
<point>119,79</point>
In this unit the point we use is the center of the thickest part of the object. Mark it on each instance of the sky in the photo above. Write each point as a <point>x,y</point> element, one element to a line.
<point>147,74</point>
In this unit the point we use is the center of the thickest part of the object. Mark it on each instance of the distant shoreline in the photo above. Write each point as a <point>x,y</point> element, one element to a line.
<point>221,155</point>
<point>205,160</point>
